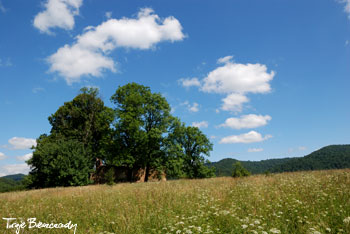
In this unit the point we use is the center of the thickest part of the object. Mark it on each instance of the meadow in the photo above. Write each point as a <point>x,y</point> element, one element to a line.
<point>301,202</point>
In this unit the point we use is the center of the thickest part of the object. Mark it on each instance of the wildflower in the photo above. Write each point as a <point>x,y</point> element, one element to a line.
<point>347,220</point>
<point>328,229</point>
<point>275,230</point>
<point>244,226</point>
<point>178,231</point>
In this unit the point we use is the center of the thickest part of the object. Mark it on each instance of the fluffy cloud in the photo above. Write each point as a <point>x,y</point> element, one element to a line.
<point>235,80</point>
<point>194,107</point>
<point>72,62</point>
<point>254,150</point>
<point>238,78</point>
<point>89,55</point>
<point>25,157</point>
<point>57,13</point>
<point>225,59</point>
<point>189,82</point>
<point>10,169</point>
<point>202,124</point>
<point>2,156</point>
<point>21,143</point>
<point>249,137</point>
<point>247,121</point>
<point>234,102</point>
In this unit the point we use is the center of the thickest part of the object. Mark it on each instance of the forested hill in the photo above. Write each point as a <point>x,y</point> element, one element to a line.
<point>11,183</point>
<point>329,157</point>
<point>15,177</point>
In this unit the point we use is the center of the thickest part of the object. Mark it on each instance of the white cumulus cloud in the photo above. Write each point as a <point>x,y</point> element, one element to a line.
<point>25,157</point>
<point>238,78</point>
<point>254,150</point>
<point>247,121</point>
<point>202,124</point>
<point>57,14</point>
<point>21,143</point>
<point>188,82</point>
<point>249,137</point>
<point>235,80</point>
<point>89,55</point>
<point>194,107</point>
<point>234,102</point>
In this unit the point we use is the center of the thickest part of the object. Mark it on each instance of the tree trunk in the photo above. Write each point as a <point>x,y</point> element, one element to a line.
<point>147,172</point>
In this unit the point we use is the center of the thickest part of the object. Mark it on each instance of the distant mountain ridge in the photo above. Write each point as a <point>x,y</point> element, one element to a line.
<point>329,157</point>
<point>15,177</point>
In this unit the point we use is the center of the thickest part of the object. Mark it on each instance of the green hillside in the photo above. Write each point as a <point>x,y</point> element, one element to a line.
<point>11,183</point>
<point>15,177</point>
<point>329,157</point>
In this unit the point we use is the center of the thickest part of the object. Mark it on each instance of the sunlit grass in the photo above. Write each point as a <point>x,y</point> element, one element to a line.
<point>305,202</point>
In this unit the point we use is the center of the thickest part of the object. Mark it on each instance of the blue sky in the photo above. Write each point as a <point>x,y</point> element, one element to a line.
<point>262,78</point>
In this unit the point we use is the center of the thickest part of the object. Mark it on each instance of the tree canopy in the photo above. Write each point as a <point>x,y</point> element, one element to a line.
<point>137,132</point>
<point>80,133</point>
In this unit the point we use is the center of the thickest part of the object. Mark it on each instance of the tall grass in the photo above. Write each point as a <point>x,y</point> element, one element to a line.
<point>304,202</point>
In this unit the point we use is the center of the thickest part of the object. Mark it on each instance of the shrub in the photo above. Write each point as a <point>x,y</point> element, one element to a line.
<point>239,170</point>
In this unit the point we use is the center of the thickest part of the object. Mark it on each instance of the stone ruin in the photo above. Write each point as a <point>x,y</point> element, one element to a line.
<point>125,174</point>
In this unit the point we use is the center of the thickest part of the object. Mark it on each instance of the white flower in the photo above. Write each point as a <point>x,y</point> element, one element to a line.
<point>244,226</point>
<point>347,220</point>
<point>275,230</point>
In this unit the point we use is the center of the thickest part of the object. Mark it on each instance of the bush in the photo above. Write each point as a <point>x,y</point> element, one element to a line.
<point>109,176</point>
<point>239,170</point>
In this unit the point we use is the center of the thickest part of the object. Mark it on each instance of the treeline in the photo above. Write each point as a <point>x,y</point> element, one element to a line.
<point>329,157</point>
<point>138,132</point>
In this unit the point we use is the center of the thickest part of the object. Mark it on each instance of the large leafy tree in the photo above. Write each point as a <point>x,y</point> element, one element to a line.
<point>80,133</point>
<point>188,146</point>
<point>87,120</point>
<point>142,119</point>
<point>58,162</point>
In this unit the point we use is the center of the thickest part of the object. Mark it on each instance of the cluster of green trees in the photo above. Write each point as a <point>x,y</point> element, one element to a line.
<point>138,132</point>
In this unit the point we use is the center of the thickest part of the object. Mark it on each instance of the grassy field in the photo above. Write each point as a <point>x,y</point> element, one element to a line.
<point>305,202</point>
